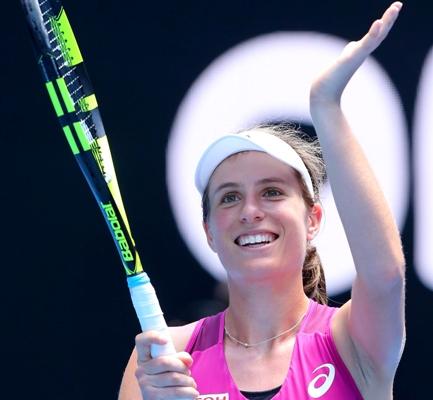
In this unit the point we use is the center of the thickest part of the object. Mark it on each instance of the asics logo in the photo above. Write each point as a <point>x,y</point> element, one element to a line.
<point>324,380</point>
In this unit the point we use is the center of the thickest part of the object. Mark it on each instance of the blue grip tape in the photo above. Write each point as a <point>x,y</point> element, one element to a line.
<point>137,280</point>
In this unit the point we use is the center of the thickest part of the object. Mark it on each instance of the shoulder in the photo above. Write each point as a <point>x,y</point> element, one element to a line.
<point>318,318</point>
<point>200,334</point>
<point>182,334</point>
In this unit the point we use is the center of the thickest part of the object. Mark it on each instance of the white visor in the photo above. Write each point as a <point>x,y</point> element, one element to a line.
<point>228,145</point>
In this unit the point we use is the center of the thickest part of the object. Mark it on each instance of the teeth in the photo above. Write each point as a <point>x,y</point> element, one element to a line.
<point>255,239</point>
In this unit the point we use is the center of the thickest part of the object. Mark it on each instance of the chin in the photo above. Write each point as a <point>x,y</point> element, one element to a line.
<point>256,271</point>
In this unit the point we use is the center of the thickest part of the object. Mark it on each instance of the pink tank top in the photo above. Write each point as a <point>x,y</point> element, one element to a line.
<point>316,370</point>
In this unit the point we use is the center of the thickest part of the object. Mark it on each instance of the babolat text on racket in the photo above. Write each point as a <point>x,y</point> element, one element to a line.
<point>69,88</point>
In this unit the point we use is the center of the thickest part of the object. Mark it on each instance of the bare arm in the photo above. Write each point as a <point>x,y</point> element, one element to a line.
<point>370,328</point>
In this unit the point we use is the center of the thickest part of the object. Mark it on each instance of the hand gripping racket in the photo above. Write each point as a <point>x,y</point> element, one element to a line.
<point>69,88</point>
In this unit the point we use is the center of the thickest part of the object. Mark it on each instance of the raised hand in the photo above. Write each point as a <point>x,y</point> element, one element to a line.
<point>376,310</point>
<point>329,85</point>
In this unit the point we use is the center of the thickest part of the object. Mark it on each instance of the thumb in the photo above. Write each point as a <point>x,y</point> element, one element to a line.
<point>144,340</point>
<point>185,358</point>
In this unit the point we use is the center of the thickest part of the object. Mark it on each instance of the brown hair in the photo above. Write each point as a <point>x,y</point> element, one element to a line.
<point>309,150</point>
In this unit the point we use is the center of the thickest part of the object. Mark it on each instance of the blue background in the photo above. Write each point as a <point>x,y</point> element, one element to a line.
<point>67,322</point>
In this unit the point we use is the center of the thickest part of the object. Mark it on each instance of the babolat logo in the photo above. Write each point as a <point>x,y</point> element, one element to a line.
<point>118,232</point>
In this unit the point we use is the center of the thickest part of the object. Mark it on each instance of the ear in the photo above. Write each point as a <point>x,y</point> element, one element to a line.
<point>209,237</point>
<point>314,219</point>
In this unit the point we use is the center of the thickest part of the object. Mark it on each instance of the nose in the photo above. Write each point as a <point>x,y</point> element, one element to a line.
<point>251,211</point>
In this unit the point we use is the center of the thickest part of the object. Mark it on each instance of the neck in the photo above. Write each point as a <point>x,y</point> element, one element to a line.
<point>260,311</point>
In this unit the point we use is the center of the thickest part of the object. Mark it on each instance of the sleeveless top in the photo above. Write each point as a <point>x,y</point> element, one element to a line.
<point>316,370</point>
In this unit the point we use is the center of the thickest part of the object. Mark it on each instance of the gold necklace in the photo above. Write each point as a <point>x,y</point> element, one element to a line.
<point>247,345</point>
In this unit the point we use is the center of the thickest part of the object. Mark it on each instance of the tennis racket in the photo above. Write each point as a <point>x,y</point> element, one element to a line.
<point>69,88</point>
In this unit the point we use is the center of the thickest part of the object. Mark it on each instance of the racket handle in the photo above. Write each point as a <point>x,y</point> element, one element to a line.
<point>149,312</point>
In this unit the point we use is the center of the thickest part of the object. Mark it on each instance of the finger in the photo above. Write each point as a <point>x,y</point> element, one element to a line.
<point>380,28</point>
<point>391,14</point>
<point>182,393</point>
<point>388,19</point>
<point>170,393</point>
<point>165,364</point>
<point>185,358</point>
<point>169,379</point>
<point>144,340</point>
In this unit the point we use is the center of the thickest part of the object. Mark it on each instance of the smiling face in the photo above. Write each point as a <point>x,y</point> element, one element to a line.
<point>258,222</point>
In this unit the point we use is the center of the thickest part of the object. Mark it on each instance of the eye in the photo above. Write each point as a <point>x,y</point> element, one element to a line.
<point>230,198</point>
<point>272,192</point>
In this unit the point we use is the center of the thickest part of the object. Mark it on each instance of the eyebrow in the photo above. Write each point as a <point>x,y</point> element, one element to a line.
<point>225,186</point>
<point>235,185</point>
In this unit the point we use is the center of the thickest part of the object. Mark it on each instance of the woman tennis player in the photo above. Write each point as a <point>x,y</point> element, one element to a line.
<point>278,338</point>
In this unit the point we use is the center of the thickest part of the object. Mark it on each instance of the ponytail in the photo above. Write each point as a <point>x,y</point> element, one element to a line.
<point>313,276</point>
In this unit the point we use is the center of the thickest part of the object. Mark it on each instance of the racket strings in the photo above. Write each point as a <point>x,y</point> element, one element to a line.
<point>49,24</point>
<point>46,12</point>
<point>46,8</point>
<point>75,88</point>
<point>70,74</point>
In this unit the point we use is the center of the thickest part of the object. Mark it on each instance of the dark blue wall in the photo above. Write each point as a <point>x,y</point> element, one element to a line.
<point>67,323</point>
